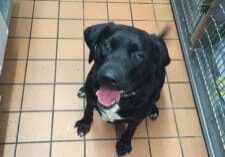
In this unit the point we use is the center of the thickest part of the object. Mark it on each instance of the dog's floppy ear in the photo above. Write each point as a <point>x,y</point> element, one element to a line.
<point>92,34</point>
<point>161,54</point>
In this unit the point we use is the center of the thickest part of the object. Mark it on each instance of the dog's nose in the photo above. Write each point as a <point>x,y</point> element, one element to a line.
<point>110,77</point>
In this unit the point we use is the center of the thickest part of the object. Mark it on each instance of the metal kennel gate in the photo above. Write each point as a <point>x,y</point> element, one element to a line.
<point>201,25</point>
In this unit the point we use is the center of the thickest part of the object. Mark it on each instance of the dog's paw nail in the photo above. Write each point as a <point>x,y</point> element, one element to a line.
<point>81,94</point>
<point>154,116</point>
<point>81,134</point>
<point>82,128</point>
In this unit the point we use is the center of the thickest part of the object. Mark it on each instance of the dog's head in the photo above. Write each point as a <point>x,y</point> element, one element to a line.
<point>125,58</point>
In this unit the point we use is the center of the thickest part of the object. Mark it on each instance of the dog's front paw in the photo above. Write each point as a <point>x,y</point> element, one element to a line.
<point>123,148</point>
<point>154,113</point>
<point>82,127</point>
<point>81,92</point>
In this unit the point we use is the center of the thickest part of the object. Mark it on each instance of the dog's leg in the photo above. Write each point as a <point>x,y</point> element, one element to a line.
<point>81,92</point>
<point>83,125</point>
<point>154,113</point>
<point>123,146</point>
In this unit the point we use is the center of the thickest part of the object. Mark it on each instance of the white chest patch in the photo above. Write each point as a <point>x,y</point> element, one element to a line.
<point>110,115</point>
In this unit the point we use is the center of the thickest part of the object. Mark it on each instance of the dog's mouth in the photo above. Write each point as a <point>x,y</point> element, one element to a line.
<point>108,97</point>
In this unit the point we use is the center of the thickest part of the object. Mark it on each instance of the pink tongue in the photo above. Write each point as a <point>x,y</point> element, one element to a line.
<point>107,97</point>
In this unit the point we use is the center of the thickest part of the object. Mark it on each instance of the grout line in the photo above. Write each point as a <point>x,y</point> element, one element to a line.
<point>92,19</point>
<point>66,1</point>
<point>81,110</point>
<point>42,59</point>
<point>40,111</point>
<point>149,144</point>
<point>25,73</point>
<point>57,83</point>
<point>70,83</point>
<point>131,13</point>
<point>99,139</point>
<point>173,109</point>
<point>62,59</point>
<point>79,38</point>
<point>54,86</point>
<point>85,143</point>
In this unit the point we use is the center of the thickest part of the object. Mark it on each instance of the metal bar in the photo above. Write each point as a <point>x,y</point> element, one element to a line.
<point>202,24</point>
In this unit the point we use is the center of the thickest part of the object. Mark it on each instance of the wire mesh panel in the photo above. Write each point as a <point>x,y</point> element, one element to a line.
<point>193,10</point>
<point>206,64</point>
<point>211,60</point>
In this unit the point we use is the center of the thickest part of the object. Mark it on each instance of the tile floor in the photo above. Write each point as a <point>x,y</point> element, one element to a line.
<point>45,65</point>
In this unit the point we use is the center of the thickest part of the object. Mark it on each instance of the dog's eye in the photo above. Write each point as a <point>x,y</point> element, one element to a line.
<point>137,56</point>
<point>107,45</point>
<point>134,47</point>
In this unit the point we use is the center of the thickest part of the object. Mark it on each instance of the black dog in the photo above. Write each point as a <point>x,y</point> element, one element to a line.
<point>126,78</point>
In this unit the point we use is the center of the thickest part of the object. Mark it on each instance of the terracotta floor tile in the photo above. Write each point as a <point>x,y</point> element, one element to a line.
<point>70,49</point>
<point>141,130</point>
<point>140,147</point>
<point>22,9</point>
<point>16,48</point>
<point>115,10</point>
<point>95,11</point>
<point>8,129</point>
<point>163,12</point>
<point>108,150</point>
<point>69,71</point>
<point>174,49</point>
<point>165,147</point>
<point>188,123</point>
<point>44,28</point>
<point>176,72</point>
<point>147,26</point>
<point>19,27</point>
<point>11,97</point>
<point>165,99</point>
<point>163,126</point>
<point>42,49</point>
<point>38,97</point>
<point>46,9</point>
<point>63,128</point>
<point>88,23</point>
<point>194,147</point>
<point>33,149</point>
<point>101,129</point>
<point>68,149</point>
<point>71,29</point>
<point>13,72</point>
<point>7,150</point>
<point>184,98</point>
<point>35,126</point>
<point>40,72</point>
<point>143,12</point>
<point>66,97</point>
<point>71,10</point>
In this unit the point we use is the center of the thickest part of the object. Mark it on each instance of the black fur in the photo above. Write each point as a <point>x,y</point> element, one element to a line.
<point>136,62</point>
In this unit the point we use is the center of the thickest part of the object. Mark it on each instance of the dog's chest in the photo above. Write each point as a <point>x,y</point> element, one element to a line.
<point>111,114</point>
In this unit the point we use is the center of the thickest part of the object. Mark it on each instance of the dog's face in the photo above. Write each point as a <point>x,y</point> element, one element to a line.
<point>124,56</point>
